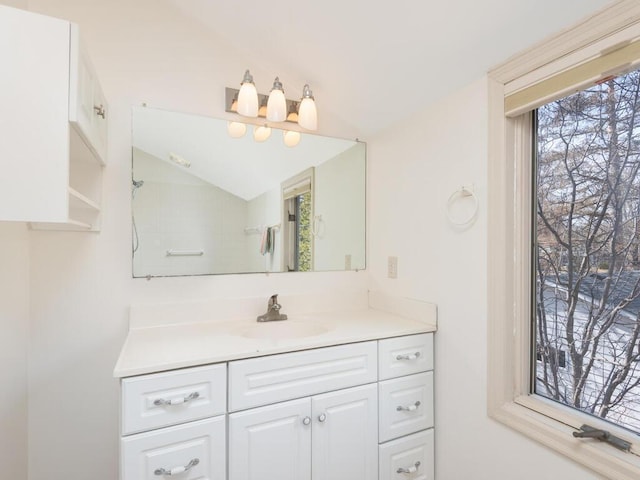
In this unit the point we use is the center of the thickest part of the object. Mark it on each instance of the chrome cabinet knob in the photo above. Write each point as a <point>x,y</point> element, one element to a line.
<point>306,420</point>
<point>322,417</point>
<point>100,110</point>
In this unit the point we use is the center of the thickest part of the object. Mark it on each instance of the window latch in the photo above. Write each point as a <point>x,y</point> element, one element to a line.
<point>589,432</point>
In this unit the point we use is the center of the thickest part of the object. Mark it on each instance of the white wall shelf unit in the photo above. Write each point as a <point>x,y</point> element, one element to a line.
<point>54,121</point>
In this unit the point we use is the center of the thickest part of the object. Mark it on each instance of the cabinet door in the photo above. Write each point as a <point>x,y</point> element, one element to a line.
<point>345,434</point>
<point>271,443</point>
<point>34,99</point>
<point>87,105</point>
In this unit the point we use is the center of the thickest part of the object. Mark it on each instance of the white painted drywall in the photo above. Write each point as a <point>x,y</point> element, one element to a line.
<point>14,323</point>
<point>81,283</point>
<point>339,195</point>
<point>414,168</point>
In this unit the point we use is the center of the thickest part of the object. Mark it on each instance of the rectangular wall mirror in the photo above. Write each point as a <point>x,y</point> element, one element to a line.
<point>206,202</point>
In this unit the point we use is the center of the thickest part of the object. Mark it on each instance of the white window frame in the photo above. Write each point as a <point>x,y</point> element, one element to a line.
<point>509,245</point>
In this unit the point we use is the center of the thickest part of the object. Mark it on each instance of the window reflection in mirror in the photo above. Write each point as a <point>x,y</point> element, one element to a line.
<point>206,203</point>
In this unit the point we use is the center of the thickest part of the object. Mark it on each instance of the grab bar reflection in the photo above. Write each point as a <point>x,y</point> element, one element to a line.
<point>185,253</point>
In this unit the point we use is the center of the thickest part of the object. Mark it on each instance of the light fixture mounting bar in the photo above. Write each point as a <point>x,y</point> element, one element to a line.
<point>232,93</point>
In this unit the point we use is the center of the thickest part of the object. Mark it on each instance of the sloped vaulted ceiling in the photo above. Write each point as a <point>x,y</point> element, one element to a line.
<point>372,64</point>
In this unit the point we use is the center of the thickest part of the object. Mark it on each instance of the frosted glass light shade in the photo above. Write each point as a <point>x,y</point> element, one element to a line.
<point>307,113</point>
<point>248,97</point>
<point>291,138</point>
<point>277,104</point>
<point>236,129</point>
<point>260,134</point>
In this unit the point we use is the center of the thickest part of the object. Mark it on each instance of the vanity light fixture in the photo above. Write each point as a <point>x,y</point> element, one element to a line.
<point>277,104</point>
<point>292,115</point>
<point>236,129</point>
<point>250,103</point>
<point>261,133</point>
<point>234,104</point>
<point>291,138</point>
<point>248,97</point>
<point>307,113</point>
<point>262,111</point>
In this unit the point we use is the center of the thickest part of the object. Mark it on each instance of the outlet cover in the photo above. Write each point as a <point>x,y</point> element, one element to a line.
<point>392,267</point>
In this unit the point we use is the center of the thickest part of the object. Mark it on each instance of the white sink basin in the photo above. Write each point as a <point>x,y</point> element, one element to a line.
<point>283,329</point>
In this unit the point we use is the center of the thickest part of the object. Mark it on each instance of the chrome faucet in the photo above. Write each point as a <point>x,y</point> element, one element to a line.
<point>273,311</point>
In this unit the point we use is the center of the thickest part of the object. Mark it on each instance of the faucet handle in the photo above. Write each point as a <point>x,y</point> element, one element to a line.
<point>273,300</point>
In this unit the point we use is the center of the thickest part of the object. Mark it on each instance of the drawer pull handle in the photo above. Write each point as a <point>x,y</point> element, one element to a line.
<point>100,110</point>
<point>322,417</point>
<point>411,356</point>
<point>176,401</point>
<point>306,420</point>
<point>413,469</point>
<point>410,408</point>
<point>177,470</point>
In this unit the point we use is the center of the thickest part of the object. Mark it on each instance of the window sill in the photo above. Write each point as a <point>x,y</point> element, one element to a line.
<point>524,415</point>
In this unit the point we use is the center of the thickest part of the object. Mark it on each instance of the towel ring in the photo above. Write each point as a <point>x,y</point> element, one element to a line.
<point>462,192</point>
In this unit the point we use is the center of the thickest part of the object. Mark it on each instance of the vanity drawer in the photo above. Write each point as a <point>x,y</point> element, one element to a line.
<point>261,381</point>
<point>195,450</point>
<point>406,405</point>
<point>408,457</point>
<point>168,398</point>
<point>405,355</point>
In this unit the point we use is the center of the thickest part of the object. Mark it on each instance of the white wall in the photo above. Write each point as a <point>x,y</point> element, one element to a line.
<point>14,323</point>
<point>340,199</point>
<point>81,283</point>
<point>414,168</point>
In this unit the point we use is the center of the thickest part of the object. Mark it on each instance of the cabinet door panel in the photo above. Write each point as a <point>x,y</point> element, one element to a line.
<point>405,355</point>
<point>271,443</point>
<point>406,405</point>
<point>169,398</point>
<point>193,451</point>
<point>408,457</point>
<point>260,381</point>
<point>344,435</point>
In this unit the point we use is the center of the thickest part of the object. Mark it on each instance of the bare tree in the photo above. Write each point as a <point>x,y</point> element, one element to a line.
<point>587,255</point>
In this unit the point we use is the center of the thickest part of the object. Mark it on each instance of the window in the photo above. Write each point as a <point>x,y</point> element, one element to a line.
<point>587,245</point>
<point>297,195</point>
<point>532,285</point>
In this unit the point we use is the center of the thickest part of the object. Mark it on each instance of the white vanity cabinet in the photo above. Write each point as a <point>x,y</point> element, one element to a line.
<point>359,411</point>
<point>54,121</point>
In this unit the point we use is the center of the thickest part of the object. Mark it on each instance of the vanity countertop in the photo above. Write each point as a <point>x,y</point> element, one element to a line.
<point>166,347</point>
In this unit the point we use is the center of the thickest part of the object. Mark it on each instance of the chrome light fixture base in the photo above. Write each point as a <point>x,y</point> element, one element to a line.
<point>231,93</point>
